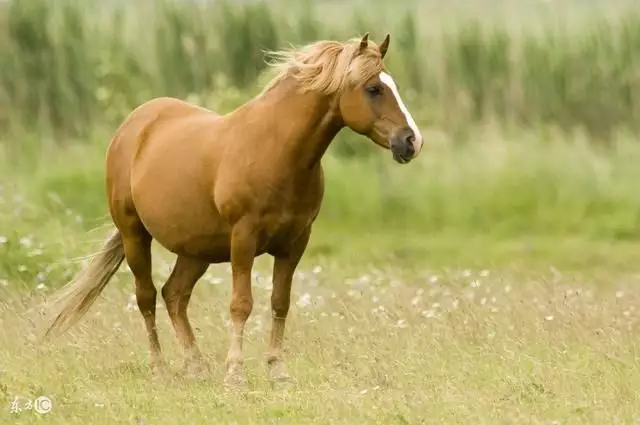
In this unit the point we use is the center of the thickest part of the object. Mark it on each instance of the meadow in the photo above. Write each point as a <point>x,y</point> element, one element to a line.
<point>492,281</point>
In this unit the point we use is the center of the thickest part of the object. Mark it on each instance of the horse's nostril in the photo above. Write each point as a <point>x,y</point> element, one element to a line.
<point>410,139</point>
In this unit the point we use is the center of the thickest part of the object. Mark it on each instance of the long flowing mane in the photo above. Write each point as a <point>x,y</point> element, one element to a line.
<point>326,66</point>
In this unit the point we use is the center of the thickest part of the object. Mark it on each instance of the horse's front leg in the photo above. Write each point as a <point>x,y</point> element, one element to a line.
<point>243,250</point>
<point>285,263</point>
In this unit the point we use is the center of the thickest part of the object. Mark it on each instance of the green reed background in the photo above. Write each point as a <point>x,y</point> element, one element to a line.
<point>70,65</point>
<point>530,112</point>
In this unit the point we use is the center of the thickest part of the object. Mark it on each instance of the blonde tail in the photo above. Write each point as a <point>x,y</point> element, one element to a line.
<point>74,299</point>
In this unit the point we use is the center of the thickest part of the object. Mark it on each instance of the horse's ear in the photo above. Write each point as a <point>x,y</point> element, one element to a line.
<point>364,42</point>
<point>384,46</point>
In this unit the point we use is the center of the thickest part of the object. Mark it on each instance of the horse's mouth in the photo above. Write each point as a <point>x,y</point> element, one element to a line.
<point>400,159</point>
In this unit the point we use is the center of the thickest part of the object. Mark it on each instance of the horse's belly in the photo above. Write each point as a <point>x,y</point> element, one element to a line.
<point>183,221</point>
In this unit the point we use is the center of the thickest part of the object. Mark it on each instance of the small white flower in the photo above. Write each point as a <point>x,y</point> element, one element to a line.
<point>35,253</point>
<point>475,283</point>
<point>433,279</point>
<point>353,293</point>
<point>484,273</point>
<point>4,282</point>
<point>549,318</point>
<point>26,241</point>
<point>365,278</point>
<point>304,300</point>
<point>316,269</point>
<point>466,273</point>
<point>429,313</point>
<point>41,286</point>
<point>3,240</point>
<point>619,294</point>
<point>415,300</point>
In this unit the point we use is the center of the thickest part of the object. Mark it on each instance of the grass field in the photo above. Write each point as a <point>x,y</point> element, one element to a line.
<point>368,344</point>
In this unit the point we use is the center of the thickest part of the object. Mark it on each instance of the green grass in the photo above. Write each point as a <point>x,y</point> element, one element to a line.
<point>367,344</point>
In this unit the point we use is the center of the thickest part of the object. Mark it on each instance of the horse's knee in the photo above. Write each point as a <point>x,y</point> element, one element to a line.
<point>241,307</point>
<point>146,297</point>
<point>280,303</point>
<point>170,296</point>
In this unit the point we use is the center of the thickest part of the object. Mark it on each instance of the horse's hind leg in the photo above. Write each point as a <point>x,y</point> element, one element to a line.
<point>177,293</point>
<point>137,251</point>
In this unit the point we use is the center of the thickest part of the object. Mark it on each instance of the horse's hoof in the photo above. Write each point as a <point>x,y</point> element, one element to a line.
<point>279,377</point>
<point>235,380</point>
<point>159,369</point>
<point>196,369</point>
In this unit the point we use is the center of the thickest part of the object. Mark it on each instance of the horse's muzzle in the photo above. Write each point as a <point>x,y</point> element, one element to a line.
<point>402,146</point>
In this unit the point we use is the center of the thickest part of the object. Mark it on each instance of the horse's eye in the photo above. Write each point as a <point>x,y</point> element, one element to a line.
<point>374,90</point>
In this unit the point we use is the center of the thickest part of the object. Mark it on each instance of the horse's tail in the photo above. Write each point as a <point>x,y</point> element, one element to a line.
<point>74,299</point>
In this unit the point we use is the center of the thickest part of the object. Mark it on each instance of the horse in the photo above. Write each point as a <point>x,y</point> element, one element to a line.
<point>214,188</point>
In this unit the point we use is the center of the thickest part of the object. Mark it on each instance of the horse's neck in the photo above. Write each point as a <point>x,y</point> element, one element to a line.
<point>309,124</point>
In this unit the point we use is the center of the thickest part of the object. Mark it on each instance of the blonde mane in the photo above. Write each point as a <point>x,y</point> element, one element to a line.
<point>326,66</point>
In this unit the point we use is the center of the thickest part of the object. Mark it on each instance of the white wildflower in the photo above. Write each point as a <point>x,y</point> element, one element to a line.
<point>304,300</point>
<point>353,293</point>
<point>429,313</point>
<point>401,323</point>
<point>26,241</point>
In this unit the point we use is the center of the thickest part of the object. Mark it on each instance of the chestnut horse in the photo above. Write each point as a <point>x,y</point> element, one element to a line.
<point>216,188</point>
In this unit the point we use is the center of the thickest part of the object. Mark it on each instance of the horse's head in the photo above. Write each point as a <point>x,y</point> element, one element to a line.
<point>370,103</point>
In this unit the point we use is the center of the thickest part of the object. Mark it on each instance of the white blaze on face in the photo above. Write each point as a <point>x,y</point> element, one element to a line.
<point>387,80</point>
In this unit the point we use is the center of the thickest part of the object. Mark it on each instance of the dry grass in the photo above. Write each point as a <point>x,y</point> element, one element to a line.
<point>367,346</point>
